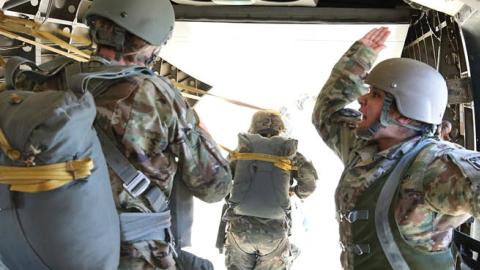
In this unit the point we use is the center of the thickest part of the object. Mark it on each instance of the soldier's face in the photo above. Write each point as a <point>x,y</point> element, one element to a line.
<point>371,105</point>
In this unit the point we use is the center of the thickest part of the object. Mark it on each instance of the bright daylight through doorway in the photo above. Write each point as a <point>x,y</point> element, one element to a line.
<point>281,67</point>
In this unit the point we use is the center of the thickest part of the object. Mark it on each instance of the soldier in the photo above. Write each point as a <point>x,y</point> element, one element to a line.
<point>147,119</point>
<point>402,191</point>
<point>258,216</point>
<point>444,130</point>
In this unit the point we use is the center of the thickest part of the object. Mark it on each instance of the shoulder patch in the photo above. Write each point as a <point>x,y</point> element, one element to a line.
<point>469,163</point>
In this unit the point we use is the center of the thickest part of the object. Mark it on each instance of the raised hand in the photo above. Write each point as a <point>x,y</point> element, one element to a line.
<point>375,39</point>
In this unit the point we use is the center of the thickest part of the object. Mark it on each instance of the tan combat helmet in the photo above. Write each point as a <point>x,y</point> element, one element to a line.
<point>420,91</point>
<point>267,123</point>
<point>151,20</point>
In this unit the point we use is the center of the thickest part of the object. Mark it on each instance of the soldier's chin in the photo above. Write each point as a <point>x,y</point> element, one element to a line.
<point>361,124</point>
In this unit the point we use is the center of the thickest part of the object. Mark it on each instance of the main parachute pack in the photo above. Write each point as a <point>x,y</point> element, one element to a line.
<point>56,206</point>
<point>262,176</point>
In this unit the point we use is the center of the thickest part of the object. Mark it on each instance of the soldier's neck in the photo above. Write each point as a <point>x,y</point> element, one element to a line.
<point>392,135</point>
<point>110,55</point>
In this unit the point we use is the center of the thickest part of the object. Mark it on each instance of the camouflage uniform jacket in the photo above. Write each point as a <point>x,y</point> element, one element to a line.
<point>159,135</point>
<point>436,194</point>
<point>305,176</point>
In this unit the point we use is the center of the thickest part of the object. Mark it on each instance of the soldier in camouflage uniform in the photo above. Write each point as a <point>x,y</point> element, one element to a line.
<point>262,243</point>
<point>158,133</point>
<point>437,192</point>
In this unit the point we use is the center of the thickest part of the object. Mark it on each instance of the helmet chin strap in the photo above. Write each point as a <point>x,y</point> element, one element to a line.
<point>384,121</point>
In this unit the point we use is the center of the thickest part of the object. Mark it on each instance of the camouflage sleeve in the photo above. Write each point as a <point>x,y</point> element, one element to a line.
<point>306,176</point>
<point>205,171</point>
<point>333,122</point>
<point>162,137</point>
<point>451,186</point>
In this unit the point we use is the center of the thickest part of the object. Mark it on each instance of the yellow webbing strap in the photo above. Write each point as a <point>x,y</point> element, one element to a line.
<point>282,162</point>
<point>16,28</point>
<point>6,148</point>
<point>45,177</point>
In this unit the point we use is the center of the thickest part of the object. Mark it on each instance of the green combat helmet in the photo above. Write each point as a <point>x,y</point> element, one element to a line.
<point>266,123</point>
<point>418,90</point>
<point>151,20</point>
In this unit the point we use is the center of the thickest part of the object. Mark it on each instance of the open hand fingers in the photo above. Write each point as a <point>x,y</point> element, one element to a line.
<point>381,35</point>
<point>376,38</point>
<point>370,34</point>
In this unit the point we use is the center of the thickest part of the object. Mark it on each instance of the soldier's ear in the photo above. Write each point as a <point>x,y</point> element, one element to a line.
<point>395,114</point>
<point>404,120</point>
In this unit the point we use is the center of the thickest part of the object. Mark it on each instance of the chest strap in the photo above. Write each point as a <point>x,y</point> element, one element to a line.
<point>384,201</point>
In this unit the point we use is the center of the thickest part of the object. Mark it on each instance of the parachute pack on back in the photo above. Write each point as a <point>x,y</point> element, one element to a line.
<point>262,176</point>
<point>56,205</point>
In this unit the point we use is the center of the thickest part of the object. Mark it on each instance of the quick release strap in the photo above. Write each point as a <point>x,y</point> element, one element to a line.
<point>382,224</point>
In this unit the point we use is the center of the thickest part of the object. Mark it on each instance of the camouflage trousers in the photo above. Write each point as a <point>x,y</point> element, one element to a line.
<point>146,255</point>
<point>128,263</point>
<point>133,259</point>
<point>248,250</point>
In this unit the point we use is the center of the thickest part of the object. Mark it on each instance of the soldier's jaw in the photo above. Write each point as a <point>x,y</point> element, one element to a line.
<point>362,123</point>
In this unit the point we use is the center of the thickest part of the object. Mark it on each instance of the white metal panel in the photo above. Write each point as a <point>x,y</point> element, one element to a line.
<point>195,2</point>
<point>306,3</point>
<point>310,3</point>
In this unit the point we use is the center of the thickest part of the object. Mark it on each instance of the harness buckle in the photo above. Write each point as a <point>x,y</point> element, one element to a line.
<point>357,249</point>
<point>138,185</point>
<point>353,216</point>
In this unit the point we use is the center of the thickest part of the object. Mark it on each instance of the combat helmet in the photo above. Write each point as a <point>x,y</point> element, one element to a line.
<point>418,90</point>
<point>266,123</point>
<point>151,20</point>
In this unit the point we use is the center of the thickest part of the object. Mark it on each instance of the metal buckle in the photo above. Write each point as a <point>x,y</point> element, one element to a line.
<point>357,249</point>
<point>353,216</point>
<point>474,160</point>
<point>138,185</point>
<point>360,249</point>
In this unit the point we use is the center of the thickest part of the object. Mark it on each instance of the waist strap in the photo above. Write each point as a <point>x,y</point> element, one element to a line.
<point>145,226</point>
